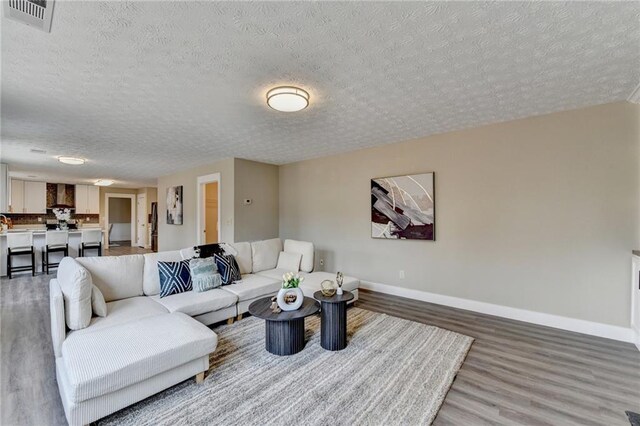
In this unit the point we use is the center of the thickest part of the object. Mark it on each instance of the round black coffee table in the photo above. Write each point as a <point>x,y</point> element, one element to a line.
<point>284,331</point>
<point>333,320</point>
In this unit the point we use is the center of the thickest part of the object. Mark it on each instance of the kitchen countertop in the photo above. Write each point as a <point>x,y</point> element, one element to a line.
<point>40,231</point>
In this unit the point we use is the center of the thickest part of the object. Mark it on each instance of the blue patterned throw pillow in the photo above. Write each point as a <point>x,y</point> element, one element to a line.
<point>228,268</point>
<point>175,277</point>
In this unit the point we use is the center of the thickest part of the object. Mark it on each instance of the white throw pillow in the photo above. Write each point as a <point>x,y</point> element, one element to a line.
<point>305,248</point>
<point>75,283</point>
<point>265,254</point>
<point>98,305</point>
<point>289,261</point>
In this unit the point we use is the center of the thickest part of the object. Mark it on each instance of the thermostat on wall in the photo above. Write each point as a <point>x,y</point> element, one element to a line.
<point>247,201</point>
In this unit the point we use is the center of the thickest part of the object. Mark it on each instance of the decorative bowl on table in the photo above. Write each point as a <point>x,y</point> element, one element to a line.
<point>328,288</point>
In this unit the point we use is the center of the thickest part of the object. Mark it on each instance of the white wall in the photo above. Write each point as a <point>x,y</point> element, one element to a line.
<point>538,214</point>
<point>120,232</point>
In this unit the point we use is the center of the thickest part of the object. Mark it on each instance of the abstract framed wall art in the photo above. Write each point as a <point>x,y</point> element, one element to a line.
<point>174,205</point>
<point>403,207</point>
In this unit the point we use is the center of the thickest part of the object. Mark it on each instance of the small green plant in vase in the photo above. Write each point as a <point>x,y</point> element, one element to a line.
<point>290,296</point>
<point>291,280</point>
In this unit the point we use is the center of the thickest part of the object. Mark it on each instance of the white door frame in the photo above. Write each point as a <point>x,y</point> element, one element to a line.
<point>145,243</point>
<point>201,215</point>
<point>132,197</point>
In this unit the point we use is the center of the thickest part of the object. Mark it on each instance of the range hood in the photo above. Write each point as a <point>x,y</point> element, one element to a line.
<point>60,196</point>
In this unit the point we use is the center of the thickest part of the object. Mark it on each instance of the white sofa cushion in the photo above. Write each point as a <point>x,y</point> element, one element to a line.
<point>75,283</point>
<point>243,256</point>
<point>289,261</point>
<point>264,254</point>
<point>193,303</point>
<point>151,276</point>
<point>276,274</point>
<point>98,305</point>
<point>124,311</point>
<point>312,282</point>
<point>117,277</point>
<point>253,286</point>
<point>188,253</point>
<point>112,358</point>
<point>306,249</point>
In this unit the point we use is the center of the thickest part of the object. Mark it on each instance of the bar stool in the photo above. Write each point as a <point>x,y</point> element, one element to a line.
<point>91,239</point>
<point>55,241</point>
<point>20,244</point>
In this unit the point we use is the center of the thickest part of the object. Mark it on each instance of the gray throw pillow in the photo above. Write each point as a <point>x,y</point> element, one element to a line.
<point>204,274</point>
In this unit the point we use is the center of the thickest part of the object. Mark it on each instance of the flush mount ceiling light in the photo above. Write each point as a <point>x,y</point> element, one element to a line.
<point>287,98</point>
<point>71,160</point>
<point>103,182</point>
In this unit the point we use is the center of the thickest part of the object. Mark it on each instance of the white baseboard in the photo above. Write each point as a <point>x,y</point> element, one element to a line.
<point>564,323</point>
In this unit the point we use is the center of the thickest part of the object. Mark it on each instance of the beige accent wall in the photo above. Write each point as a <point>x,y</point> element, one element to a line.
<point>239,179</point>
<point>173,237</point>
<point>120,210</point>
<point>259,183</point>
<point>539,214</point>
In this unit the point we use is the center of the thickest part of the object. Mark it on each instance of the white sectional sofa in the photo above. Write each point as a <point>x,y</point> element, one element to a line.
<point>145,343</point>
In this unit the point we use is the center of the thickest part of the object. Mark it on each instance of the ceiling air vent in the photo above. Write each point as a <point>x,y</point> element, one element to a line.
<point>36,13</point>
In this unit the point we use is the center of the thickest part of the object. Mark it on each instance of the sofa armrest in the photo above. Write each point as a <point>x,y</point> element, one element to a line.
<point>58,324</point>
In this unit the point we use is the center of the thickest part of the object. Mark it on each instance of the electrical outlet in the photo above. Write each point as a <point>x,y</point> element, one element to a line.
<point>401,274</point>
<point>321,262</point>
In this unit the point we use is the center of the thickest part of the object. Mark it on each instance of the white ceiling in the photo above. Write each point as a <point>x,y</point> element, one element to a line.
<point>145,89</point>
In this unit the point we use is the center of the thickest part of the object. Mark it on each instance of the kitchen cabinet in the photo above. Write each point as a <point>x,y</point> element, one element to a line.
<point>4,188</point>
<point>87,199</point>
<point>28,197</point>
<point>17,196</point>
<point>35,197</point>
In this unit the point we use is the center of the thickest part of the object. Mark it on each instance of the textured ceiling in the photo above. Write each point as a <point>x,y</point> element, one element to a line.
<point>145,89</point>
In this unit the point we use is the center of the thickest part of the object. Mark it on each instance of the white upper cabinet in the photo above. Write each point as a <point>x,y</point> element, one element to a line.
<point>35,197</point>
<point>4,188</point>
<point>28,197</point>
<point>93,199</point>
<point>87,199</point>
<point>17,196</point>
<point>81,199</point>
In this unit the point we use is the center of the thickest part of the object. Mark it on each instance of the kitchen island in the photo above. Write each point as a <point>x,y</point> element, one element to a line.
<point>38,244</point>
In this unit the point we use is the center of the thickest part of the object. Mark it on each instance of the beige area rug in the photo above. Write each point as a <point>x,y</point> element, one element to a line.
<point>393,371</point>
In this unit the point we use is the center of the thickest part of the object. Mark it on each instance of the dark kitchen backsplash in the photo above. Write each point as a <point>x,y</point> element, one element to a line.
<point>32,219</point>
<point>52,194</point>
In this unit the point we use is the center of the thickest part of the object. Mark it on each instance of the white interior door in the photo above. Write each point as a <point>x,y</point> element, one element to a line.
<point>141,221</point>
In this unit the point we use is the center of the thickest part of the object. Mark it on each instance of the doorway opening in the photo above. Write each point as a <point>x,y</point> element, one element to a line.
<point>120,220</point>
<point>209,209</point>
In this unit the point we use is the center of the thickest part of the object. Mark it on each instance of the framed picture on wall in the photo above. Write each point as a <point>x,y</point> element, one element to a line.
<point>174,205</point>
<point>403,207</point>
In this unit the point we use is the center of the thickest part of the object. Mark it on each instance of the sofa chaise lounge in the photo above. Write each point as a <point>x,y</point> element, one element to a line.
<point>146,343</point>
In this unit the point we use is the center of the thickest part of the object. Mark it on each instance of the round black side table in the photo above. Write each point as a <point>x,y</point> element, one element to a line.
<point>284,333</point>
<point>333,320</point>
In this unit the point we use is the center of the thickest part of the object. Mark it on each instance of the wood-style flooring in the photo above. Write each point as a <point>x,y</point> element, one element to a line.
<point>520,373</point>
<point>515,373</point>
<point>125,249</point>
